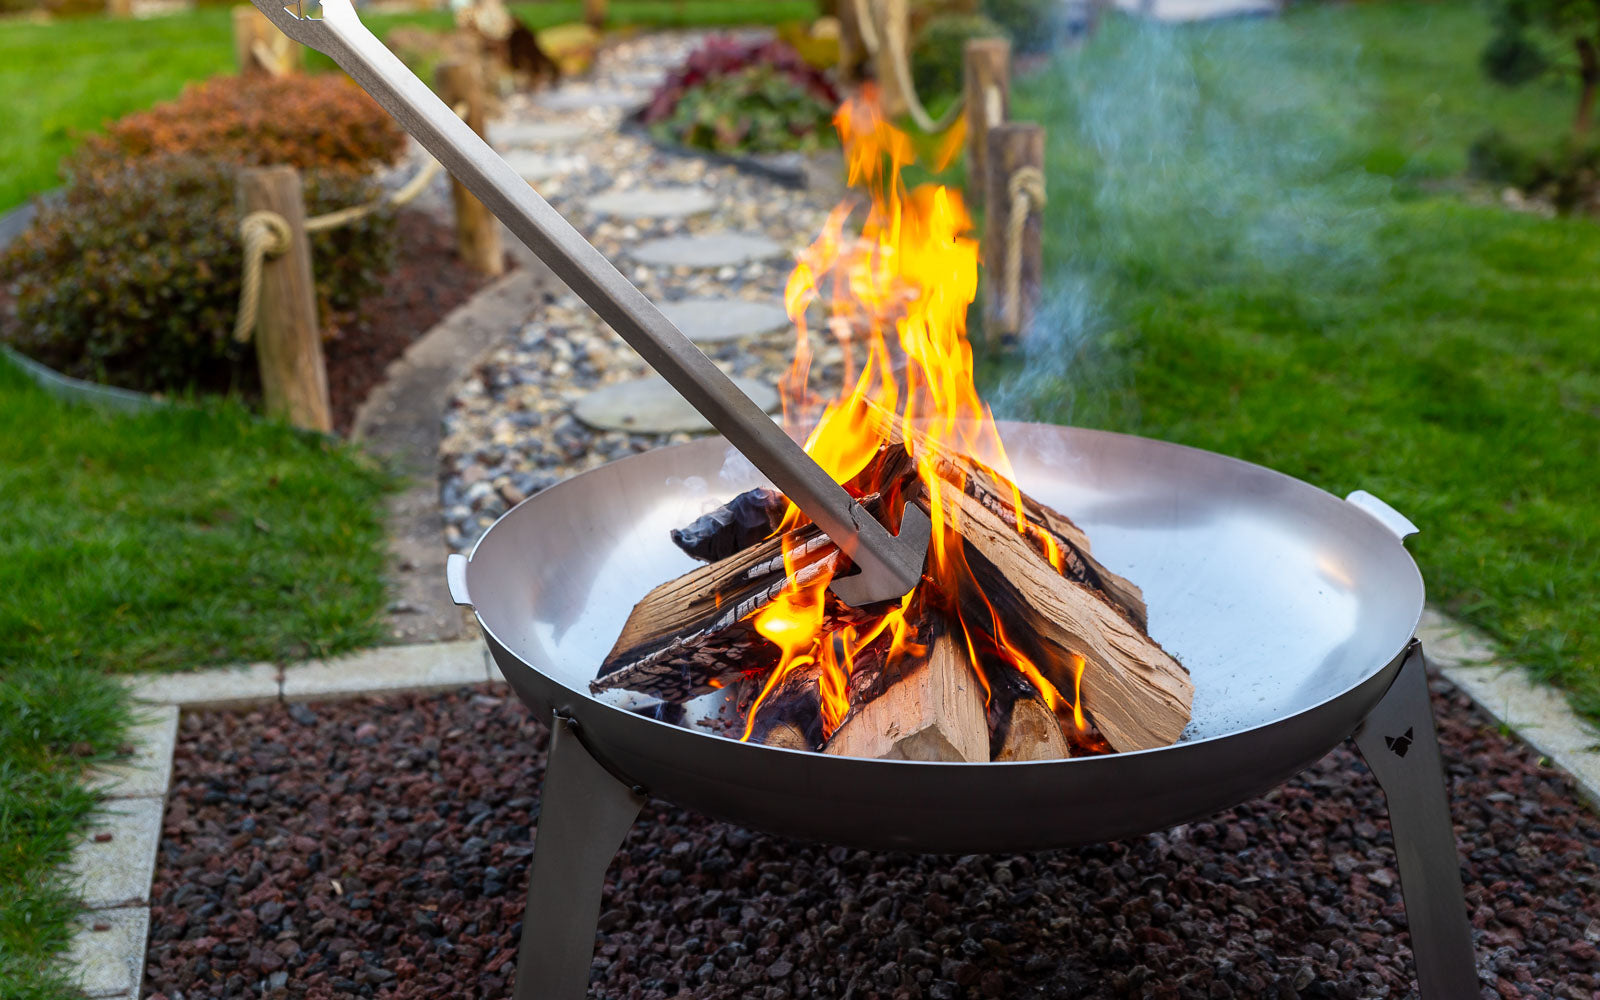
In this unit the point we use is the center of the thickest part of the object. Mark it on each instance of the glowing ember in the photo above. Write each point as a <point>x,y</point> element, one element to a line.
<point>898,305</point>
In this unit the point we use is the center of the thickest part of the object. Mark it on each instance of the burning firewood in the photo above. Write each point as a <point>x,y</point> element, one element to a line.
<point>689,635</point>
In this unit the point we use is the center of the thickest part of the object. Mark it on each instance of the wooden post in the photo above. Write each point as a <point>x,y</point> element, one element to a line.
<point>595,13</point>
<point>894,38</point>
<point>294,383</point>
<point>987,67</point>
<point>477,231</point>
<point>259,47</point>
<point>1012,147</point>
<point>852,49</point>
<point>120,8</point>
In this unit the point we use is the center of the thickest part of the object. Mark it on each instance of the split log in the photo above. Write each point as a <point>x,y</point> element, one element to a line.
<point>1021,724</point>
<point>1138,695</point>
<point>934,711</point>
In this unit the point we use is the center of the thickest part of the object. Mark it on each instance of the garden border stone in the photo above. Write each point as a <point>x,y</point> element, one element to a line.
<point>77,390</point>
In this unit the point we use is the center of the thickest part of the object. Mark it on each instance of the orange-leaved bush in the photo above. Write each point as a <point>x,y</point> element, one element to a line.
<point>321,121</point>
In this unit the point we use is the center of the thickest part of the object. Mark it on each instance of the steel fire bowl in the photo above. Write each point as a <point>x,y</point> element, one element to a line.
<point>1292,609</point>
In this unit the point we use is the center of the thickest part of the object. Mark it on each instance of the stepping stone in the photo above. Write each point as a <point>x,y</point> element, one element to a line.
<point>514,134</point>
<point>653,203</point>
<point>533,166</point>
<point>1190,11</point>
<point>640,80</point>
<point>585,100</point>
<point>650,406</point>
<point>706,250</point>
<point>711,320</point>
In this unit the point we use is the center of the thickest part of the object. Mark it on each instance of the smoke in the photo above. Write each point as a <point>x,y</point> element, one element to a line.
<point>1181,162</point>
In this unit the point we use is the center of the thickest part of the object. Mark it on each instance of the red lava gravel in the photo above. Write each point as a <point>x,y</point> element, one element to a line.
<point>427,281</point>
<point>379,848</point>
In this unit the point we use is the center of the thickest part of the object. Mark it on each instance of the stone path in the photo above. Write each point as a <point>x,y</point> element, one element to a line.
<point>561,392</point>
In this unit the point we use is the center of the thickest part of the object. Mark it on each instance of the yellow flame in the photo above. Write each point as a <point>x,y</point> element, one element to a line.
<point>897,302</point>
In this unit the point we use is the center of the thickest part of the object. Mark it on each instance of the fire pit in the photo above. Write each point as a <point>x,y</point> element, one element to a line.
<point>1293,610</point>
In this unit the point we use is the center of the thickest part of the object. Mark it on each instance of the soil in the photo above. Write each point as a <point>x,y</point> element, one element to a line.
<point>427,282</point>
<point>379,848</point>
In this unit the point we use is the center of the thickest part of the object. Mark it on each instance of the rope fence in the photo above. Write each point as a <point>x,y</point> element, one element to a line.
<point>267,234</point>
<point>1026,188</point>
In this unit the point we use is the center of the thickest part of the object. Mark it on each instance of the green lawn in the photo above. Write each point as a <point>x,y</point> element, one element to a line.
<point>182,537</point>
<point>1259,244</point>
<point>60,80</point>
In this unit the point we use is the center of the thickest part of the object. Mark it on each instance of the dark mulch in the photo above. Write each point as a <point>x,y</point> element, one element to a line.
<point>380,848</point>
<point>427,282</point>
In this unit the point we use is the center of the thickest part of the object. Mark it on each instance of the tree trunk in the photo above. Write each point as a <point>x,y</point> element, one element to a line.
<point>1589,80</point>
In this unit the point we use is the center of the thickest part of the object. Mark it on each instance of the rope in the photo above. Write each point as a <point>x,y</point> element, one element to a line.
<point>1026,189</point>
<point>264,234</point>
<point>873,36</point>
<point>869,31</point>
<point>344,216</point>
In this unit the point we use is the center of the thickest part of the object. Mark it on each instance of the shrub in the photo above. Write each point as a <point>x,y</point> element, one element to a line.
<point>763,92</point>
<point>319,121</point>
<point>1567,177</point>
<point>937,56</point>
<point>133,278</point>
<point>1033,25</point>
<point>753,110</point>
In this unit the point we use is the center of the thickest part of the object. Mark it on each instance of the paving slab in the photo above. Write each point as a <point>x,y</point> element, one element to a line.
<point>706,250</point>
<point>651,406</point>
<point>708,321</point>
<point>230,687</point>
<point>389,669</point>
<point>515,135</point>
<point>148,773</point>
<point>1540,714</point>
<point>110,962</point>
<point>653,203</point>
<point>117,871</point>
<point>586,100</point>
<point>532,166</point>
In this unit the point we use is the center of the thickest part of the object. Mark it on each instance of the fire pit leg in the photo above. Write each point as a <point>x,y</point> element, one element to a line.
<point>584,814</point>
<point>1399,744</point>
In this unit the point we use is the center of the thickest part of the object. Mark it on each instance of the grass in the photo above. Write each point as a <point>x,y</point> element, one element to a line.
<point>190,535</point>
<point>1259,244</point>
<point>61,79</point>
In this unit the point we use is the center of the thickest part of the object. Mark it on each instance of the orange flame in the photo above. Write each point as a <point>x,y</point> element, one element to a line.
<point>896,302</point>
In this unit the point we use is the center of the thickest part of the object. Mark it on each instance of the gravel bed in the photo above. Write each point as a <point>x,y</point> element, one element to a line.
<point>379,848</point>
